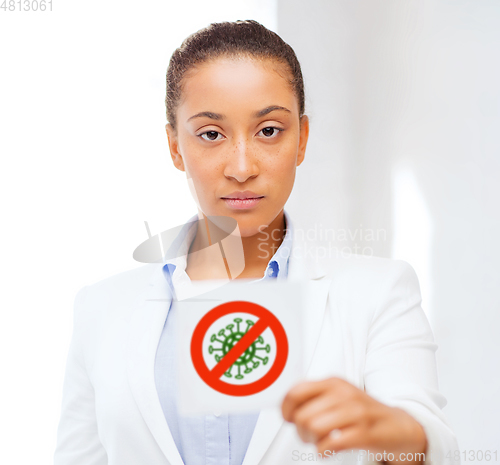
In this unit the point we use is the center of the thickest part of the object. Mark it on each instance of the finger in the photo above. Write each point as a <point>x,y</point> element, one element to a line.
<point>304,391</point>
<point>350,437</point>
<point>299,394</point>
<point>306,412</point>
<point>319,426</point>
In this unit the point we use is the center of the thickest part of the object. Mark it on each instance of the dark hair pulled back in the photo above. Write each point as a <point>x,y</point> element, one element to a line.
<point>238,38</point>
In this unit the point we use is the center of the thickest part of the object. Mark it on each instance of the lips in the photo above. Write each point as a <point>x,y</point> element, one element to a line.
<point>242,204</point>
<point>242,195</point>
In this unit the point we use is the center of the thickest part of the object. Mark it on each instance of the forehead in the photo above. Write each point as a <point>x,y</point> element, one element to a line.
<point>237,87</point>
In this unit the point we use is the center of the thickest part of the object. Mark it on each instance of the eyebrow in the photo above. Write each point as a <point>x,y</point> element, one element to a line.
<point>258,114</point>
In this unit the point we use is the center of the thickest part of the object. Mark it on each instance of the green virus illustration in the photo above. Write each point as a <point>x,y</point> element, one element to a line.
<point>249,360</point>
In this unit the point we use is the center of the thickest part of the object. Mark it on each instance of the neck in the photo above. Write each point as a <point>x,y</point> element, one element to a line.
<point>257,250</point>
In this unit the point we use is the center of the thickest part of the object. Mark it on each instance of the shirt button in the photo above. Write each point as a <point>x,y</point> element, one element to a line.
<point>217,414</point>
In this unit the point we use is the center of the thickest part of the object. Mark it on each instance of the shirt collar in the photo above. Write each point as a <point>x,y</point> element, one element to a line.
<point>278,265</point>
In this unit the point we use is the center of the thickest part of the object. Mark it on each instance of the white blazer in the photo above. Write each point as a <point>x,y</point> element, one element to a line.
<point>364,324</point>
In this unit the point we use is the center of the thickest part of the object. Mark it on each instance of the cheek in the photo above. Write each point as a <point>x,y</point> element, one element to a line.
<point>283,166</point>
<point>205,176</point>
<point>198,166</point>
<point>202,175</point>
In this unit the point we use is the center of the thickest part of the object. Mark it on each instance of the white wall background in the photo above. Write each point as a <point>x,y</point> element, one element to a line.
<point>84,163</point>
<point>404,104</point>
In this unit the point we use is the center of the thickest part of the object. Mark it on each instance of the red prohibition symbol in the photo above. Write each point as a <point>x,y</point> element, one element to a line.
<point>266,320</point>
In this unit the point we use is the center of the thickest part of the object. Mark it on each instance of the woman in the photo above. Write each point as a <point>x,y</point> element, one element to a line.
<point>236,126</point>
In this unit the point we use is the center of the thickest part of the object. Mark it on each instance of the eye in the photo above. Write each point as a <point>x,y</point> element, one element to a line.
<point>211,135</point>
<point>270,132</point>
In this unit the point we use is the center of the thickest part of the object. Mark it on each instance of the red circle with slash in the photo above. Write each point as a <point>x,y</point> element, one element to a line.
<point>266,320</point>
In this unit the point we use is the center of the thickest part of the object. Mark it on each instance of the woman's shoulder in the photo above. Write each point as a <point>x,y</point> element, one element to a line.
<point>117,292</point>
<point>371,278</point>
<point>369,266</point>
<point>137,276</point>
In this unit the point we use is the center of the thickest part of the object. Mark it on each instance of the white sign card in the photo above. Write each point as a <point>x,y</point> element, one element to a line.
<point>217,372</point>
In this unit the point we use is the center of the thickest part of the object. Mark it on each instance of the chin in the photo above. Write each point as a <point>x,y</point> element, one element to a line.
<point>249,223</point>
<point>250,228</point>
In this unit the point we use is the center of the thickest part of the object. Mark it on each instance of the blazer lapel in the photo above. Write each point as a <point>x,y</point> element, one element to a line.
<point>145,330</point>
<point>310,270</point>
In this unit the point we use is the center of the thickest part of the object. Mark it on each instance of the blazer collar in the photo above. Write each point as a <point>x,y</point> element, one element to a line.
<point>146,327</point>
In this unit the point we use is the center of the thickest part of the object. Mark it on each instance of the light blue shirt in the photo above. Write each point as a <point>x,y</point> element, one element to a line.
<point>217,439</point>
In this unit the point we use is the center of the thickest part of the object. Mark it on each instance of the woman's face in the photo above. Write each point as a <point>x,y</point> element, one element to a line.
<point>238,129</point>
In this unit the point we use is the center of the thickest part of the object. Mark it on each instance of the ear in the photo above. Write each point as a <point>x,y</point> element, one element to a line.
<point>173,145</point>
<point>304,135</point>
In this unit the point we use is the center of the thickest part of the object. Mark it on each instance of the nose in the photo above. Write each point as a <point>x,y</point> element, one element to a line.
<point>241,163</point>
